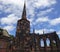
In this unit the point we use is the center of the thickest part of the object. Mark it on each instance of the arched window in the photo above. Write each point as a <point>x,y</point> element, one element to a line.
<point>42,43</point>
<point>48,42</point>
<point>54,43</point>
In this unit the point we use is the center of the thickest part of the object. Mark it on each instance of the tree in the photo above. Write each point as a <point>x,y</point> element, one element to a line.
<point>11,37</point>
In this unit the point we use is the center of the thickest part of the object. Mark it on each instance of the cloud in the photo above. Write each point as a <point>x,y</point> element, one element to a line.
<point>31,21</point>
<point>36,4</point>
<point>1,7</point>
<point>9,28</point>
<point>10,19</point>
<point>52,22</point>
<point>31,12</point>
<point>58,33</point>
<point>15,7</point>
<point>42,3</point>
<point>55,21</point>
<point>15,2</point>
<point>44,12</point>
<point>11,6</point>
<point>42,19</point>
<point>40,31</point>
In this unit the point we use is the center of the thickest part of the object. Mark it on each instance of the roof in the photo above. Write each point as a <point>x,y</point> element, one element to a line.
<point>4,32</point>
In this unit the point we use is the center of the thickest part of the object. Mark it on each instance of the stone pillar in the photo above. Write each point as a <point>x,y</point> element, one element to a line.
<point>33,44</point>
<point>51,45</point>
<point>37,44</point>
<point>57,44</point>
<point>40,42</point>
<point>45,45</point>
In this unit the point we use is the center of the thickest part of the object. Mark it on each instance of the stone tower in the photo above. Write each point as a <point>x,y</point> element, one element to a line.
<point>22,33</point>
<point>23,25</point>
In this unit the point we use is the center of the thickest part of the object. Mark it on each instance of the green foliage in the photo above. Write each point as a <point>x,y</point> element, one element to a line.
<point>11,37</point>
<point>54,44</point>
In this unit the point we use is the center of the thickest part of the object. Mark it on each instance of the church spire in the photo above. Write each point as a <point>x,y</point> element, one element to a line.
<point>24,11</point>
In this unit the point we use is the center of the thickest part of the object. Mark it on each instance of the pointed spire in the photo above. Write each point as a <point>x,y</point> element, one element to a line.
<point>33,30</point>
<point>43,31</point>
<point>24,11</point>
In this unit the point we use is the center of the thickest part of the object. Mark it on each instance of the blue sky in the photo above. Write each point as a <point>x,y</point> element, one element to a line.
<point>42,14</point>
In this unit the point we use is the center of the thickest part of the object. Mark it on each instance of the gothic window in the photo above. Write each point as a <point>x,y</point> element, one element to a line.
<point>42,43</point>
<point>54,43</point>
<point>47,42</point>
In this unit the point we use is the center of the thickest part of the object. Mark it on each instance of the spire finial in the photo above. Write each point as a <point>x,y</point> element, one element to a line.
<point>24,11</point>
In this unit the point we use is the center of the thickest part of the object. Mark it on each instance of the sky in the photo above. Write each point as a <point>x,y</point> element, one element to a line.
<point>44,15</point>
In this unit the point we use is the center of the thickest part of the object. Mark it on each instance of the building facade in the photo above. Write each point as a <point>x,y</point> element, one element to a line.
<point>31,42</point>
<point>4,40</point>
